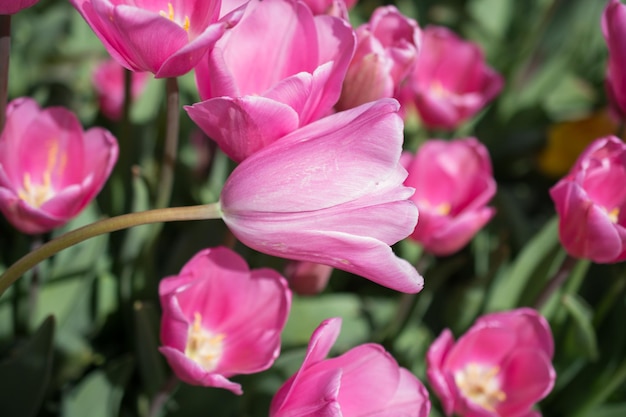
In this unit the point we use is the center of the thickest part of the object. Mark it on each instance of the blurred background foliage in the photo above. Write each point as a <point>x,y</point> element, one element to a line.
<point>79,334</point>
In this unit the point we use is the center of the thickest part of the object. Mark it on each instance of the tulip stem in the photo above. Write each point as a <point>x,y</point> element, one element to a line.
<point>202,212</point>
<point>160,399</point>
<point>170,151</point>
<point>557,280</point>
<point>5,52</point>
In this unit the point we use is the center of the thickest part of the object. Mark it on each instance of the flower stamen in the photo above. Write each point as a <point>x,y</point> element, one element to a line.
<point>204,347</point>
<point>171,16</point>
<point>480,385</point>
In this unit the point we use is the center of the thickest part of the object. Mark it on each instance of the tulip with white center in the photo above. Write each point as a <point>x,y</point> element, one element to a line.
<point>221,319</point>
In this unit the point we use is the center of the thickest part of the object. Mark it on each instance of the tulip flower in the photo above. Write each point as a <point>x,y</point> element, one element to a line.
<point>166,38</point>
<point>614,29</point>
<point>49,168</point>
<point>451,81</point>
<point>500,367</point>
<point>330,192</point>
<point>307,278</point>
<point>221,319</point>
<point>255,95</point>
<point>365,381</point>
<point>14,6</point>
<point>591,203</point>
<point>453,183</point>
<point>108,80</point>
<point>387,48</point>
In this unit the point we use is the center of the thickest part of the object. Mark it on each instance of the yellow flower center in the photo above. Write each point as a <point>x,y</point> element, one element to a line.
<point>34,194</point>
<point>480,385</point>
<point>439,90</point>
<point>170,15</point>
<point>613,214</point>
<point>442,209</point>
<point>204,347</point>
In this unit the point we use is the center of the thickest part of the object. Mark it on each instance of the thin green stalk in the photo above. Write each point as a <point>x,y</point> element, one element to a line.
<point>202,212</point>
<point>556,281</point>
<point>166,181</point>
<point>5,52</point>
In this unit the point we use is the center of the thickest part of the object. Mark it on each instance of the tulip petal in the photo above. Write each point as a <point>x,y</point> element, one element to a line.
<point>242,126</point>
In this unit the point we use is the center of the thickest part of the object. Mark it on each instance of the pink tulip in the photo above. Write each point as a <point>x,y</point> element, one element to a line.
<point>14,6</point>
<point>365,381</point>
<point>255,95</point>
<point>499,368</point>
<point>387,48</point>
<point>108,80</point>
<point>307,278</point>
<point>330,193</point>
<point>451,81</point>
<point>614,29</point>
<point>49,168</point>
<point>338,8</point>
<point>453,183</point>
<point>591,203</point>
<point>166,38</point>
<point>221,319</point>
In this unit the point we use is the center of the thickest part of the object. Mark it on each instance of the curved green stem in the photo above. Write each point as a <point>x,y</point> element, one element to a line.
<point>203,212</point>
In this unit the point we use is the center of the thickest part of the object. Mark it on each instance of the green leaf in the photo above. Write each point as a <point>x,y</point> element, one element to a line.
<point>307,313</point>
<point>585,333</point>
<point>25,375</point>
<point>100,393</point>
<point>613,410</point>
<point>510,283</point>
<point>149,360</point>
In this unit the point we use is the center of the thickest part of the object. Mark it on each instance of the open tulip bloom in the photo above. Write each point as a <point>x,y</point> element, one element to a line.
<point>330,193</point>
<point>50,169</point>
<point>365,381</point>
<point>255,94</point>
<point>221,319</point>
<point>499,368</point>
<point>166,38</point>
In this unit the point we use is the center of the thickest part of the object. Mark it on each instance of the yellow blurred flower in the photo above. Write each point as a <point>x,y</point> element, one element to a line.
<point>567,140</point>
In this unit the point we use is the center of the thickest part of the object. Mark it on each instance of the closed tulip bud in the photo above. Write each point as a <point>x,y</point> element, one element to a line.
<point>387,48</point>
<point>108,80</point>
<point>307,278</point>
<point>50,169</point>
<point>591,203</point>
<point>500,367</point>
<point>222,319</point>
<point>453,183</point>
